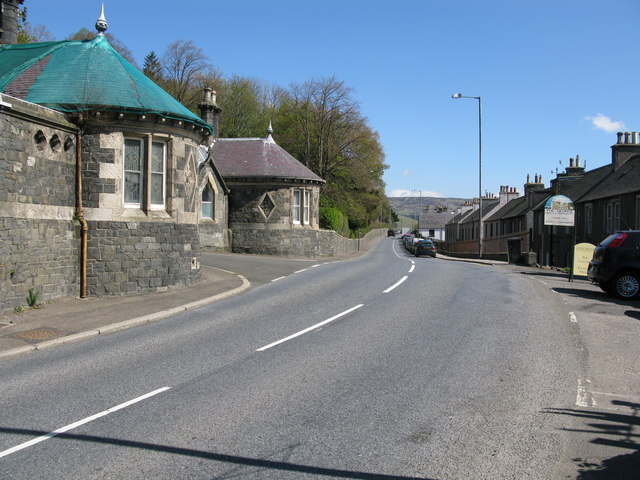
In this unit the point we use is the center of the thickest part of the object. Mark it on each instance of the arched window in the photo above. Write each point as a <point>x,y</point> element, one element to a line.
<point>207,202</point>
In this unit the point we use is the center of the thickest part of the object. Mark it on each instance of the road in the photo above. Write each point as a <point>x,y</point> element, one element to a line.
<point>384,366</point>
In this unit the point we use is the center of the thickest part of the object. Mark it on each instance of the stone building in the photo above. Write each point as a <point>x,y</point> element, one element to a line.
<point>274,199</point>
<point>605,200</point>
<point>105,180</point>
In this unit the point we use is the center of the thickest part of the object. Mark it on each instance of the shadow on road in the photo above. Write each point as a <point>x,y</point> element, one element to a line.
<point>218,457</point>
<point>614,430</point>
<point>633,314</point>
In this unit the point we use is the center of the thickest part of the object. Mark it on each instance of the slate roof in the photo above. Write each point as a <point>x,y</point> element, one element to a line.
<point>612,183</point>
<point>72,76</point>
<point>257,158</point>
<point>514,208</point>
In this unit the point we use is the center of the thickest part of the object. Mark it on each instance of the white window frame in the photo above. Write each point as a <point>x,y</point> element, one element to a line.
<point>146,174</point>
<point>306,207</point>
<point>140,172</point>
<point>295,206</point>
<point>212,214</point>
<point>162,173</point>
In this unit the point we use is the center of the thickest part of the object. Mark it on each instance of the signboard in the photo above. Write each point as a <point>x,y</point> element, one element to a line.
<point>559,211</point>
<point>582,254</point>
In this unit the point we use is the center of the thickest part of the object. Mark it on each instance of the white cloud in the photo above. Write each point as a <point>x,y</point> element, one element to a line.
<point>602,122</point>
<point>414,193</point>
<point>406,172</point>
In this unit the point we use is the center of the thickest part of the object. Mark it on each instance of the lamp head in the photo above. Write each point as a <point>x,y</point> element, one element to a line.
<point>456,95</point>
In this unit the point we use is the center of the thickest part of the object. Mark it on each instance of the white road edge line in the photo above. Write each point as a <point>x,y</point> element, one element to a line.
<point>313,327</point>
<point>398,283</point>
<point>413,266</point>
<point>300,271</point>
<point>49,435</point>
<point>279,278</point>
<point>584,398</point>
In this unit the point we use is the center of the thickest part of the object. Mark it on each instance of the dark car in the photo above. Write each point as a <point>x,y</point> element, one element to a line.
<point>406,238</point>
<point>424,247</point>
<point>615,265</point>
<point>391,233</point>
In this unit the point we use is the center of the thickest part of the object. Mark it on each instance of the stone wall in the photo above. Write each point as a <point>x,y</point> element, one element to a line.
<point>127,257</point>
<point>300,243</point>
<point>38,238</point>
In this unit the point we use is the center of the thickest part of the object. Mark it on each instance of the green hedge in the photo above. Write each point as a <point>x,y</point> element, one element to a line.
<point>333,219</point>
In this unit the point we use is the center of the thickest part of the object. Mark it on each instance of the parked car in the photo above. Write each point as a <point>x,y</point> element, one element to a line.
<point>405,238</point>
<point>424,247</point>
<point>615,265</point>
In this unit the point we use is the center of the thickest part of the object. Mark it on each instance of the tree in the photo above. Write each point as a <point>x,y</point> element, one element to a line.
<point>152,67</point>
<point>320,124</point>
<point>28,33</point>
<point>184,65</point>
<point>244,108</point>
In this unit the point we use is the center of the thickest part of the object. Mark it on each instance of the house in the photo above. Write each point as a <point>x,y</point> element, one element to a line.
<point>107,181</point>
<point>612,201</point>
<point>274,199</point>
<point>605,199</point>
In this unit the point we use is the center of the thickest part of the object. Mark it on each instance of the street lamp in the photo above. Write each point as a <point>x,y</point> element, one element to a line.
<point>480,234</point>
<point>419,211</point>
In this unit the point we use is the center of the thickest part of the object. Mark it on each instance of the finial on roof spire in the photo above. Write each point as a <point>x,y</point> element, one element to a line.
<point>269,138</point>
<point>101,23</point>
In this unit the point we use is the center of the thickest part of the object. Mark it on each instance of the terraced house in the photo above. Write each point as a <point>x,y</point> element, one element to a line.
<point>605,199</point>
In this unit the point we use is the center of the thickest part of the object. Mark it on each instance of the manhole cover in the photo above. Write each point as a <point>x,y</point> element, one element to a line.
<point>40,334</point>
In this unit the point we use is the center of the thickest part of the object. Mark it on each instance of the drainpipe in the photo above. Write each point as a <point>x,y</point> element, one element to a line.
<point>80,217</point>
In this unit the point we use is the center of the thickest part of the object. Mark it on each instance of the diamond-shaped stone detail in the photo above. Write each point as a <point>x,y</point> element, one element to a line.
<point>267,205</point>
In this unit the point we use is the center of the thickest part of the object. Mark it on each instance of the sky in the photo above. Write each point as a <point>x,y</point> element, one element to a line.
<point>557,78</point>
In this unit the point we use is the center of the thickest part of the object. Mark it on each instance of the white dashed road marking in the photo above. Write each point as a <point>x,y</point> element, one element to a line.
<point>49,435</point>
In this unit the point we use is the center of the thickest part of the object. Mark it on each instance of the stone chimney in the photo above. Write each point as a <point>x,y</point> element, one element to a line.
<point>530,188</point>
<point>626,147</point>
<point>9,12</point>
<point>209,110</point>
<point>507,194</point>
<point>574,168</point>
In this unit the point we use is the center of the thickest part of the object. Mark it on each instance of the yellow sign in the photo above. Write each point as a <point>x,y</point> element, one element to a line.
<point>582,254</point>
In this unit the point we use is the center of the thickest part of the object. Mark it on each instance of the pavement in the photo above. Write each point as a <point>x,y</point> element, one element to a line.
<point>72,319</point>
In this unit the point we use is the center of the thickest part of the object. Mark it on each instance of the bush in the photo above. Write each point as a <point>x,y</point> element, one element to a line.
<point>333,219</point>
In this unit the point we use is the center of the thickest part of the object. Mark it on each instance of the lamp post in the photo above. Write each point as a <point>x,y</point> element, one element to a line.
<point>480,232</point>
<point>419,211</point>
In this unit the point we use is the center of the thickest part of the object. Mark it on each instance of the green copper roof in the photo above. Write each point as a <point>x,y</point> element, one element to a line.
<point>73,76</point>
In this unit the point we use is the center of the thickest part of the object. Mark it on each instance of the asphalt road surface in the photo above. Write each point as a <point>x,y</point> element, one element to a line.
<point>382,367</point>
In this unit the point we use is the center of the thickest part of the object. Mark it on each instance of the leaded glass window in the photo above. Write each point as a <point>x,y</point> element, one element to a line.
<point>132,171</point>
<point>157,173</point>
<point>296,205</point>
<point>207,202</point>
<point>307,207</point>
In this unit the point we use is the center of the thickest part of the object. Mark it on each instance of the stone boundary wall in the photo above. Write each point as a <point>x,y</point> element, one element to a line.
<point>39,241</point>
<point>133,257</point>
<point>300,243</point>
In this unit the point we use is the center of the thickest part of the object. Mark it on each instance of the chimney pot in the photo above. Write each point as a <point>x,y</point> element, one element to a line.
<point>620,134</point>
<point>571,162</point>
<point>634,138</point>
<point>627,138</point>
